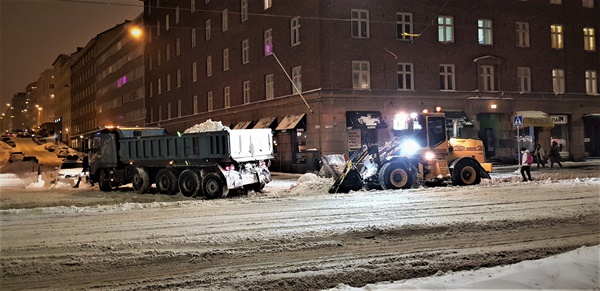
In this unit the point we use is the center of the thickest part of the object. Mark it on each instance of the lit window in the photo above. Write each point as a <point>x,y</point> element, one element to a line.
<point>404,26</point>
<point>178,108</point>
<point>159,86</point>
<point>405,76</point>
<point>361,76</point>
<point>178,78</point>
<point>445,29</point>
<point>556,35</point>
<point>167,22</point>
<point>588,3</point>
<point>267,4</point>
<point>168,82</point>
<point>295,31</point>
<point>360,23</point>
<point>244,9</point>
<point>591,82</point>
<point>194,72</point>
<point>150,90</point>
<point>195,104</point>
<point>246,93</point>
<point>297,80</point>
<point>557,2</point>
<point>207,30</point>
<point>193,37</point>
<point>209,101</point>
<point>177,46</point>
<point>558,81</point>
<point>269,87</point>
<point>227,97</point>
<point>524,78</point>
<point>245,51</point>
<point>168,52</point>
<point>226,59</point>
<point>177,15</point>
<point>192,6</point>
<point>447,78</point>
<point>484,31</point>
<point>209,66</point>
<point>224,20</point>
<point>268,42</point>
<point>522,34</point>
<point>589,39</point>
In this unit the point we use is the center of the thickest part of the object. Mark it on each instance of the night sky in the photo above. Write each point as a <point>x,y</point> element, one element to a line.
<point>34,32</point>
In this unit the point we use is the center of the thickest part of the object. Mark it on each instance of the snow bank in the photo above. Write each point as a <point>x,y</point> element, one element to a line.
<point>206,126</point>
<point>311,184</point>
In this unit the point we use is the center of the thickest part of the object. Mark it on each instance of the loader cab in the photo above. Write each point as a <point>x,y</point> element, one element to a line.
<point>426,129</point>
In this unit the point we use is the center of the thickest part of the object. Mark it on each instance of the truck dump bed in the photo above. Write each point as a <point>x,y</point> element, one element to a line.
<point>198,148</point>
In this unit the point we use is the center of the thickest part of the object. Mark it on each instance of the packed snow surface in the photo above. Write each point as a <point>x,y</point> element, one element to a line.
<point>207,126</point>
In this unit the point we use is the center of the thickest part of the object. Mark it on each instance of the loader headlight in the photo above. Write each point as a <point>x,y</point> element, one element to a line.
<point>429,156</point>
<point>409,147</point>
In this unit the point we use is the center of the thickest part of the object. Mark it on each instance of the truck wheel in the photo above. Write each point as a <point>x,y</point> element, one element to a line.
<point>189,183</point>
<point>396,176</point>
<point>166,182</point>
<point>466,173</point>
<point>212,186</point>
<point>104,181</point>
<point>140,180</point>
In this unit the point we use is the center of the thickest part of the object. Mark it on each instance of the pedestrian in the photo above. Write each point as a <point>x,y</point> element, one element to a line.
<point>526,161</point>
<point>554,155</point>
<point>540,155</point>
<point>84,172</point>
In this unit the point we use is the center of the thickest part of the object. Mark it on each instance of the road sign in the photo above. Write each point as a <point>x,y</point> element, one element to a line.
<point>518,121</point>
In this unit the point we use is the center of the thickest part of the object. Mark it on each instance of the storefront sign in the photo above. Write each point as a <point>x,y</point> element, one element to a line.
<point>559,119</point>
<point>354,139</point>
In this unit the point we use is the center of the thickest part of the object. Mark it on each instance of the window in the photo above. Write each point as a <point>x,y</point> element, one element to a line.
<point>558,81</point>
<point>267,4</point>
<point>151,114</point>
<point>224,21</point>
<point>405,76</point>
<point>157,28</point>
<point>588,3</point>
<point>522,34</point>
<point>226,59</point>
<point>268,42</point>
<point>269,87</point>
<point>445,29</point>
<point>227,97</point>
<point>168,52</point>
<point>404,26</point>
<point>557,2</point>
<point>158,58</point>
<point>160,112</point>
<point>209,101</point>
<point>150,62</point>
<point>207,30</point>
<point>487,78</point>
<point>178,46</point>
<point>244,10</point>
<point>168,82</point>
<point>150,90</point>
<point>295,31</point>
<point>589,39</point>
<point>178,108</point>
<point>361,76</point>
<point>591,82</point>
<point>149,34</point>
<point>194,72</point>
<point>169,110</point>
<point>178,78</point>
<point>193,37</point>
<point>484,31</point>
<point>297,80</point>
<point>447,78</point>
<point>246,93</point>
<point>206,1</point>
<point>245,51</point>
<point>195,104</point>
<point>556,34</point>
<point>177,15</point>
<point>167,22</point>
<point>524,78</point>
<point>192,6</point>
<point>159,86</point>
<point>360,23</point>
<point>209,66</point>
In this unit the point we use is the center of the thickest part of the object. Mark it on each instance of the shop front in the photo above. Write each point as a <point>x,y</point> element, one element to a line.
<point>291,144</point>
<point>363,128</point>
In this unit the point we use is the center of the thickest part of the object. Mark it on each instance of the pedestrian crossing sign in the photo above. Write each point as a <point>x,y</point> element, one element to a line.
<point>518,121</point>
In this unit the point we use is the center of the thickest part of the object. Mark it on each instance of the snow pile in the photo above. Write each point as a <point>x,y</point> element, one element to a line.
<point>206,126</point>
<point>311,184</point>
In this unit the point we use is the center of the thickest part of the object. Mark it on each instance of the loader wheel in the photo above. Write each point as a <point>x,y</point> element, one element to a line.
<point>189,183</point>
<point>256,187</point>
<point>166,182</point>
<point>140,180</point>
<point>396,176</point>
<point>104,181</point>
<point>212,186</point>
<point>465,173</point>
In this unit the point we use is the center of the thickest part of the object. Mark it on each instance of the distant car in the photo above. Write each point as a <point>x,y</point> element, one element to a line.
<point>62,152</point>
<point>23,134</point>
<point>50,147</point>
<point>9,141</point>
<point>16,157</point>
<point>69,171</point>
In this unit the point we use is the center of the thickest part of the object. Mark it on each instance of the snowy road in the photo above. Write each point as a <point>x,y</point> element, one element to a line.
<point>298,239</point>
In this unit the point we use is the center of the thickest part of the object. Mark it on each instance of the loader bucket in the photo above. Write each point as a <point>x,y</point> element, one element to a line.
<point>349,181</point>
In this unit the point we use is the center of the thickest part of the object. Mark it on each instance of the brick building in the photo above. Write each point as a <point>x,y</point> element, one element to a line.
<point>481,61</point>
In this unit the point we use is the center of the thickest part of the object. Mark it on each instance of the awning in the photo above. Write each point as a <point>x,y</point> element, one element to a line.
<point>535,119</point>
<point>364,120</point>
<point>266,122</point>
<point>292,121</point>
<point>243,125</point>
<point>460,116</point>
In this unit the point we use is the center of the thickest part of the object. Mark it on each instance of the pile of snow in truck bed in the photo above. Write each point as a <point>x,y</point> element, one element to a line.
<point>208,125</point>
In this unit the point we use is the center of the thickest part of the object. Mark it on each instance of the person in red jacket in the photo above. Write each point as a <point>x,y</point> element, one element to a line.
<point>526,161</point>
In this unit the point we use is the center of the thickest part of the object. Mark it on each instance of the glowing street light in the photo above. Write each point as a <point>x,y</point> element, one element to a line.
<point>136,32</point>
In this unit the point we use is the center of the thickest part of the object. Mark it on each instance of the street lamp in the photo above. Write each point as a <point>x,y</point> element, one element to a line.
<point>136,32</point>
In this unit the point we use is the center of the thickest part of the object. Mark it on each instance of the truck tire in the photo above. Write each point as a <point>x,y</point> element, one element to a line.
<point>104,181</point>
<point>166,182</point>
<point>140,180</point>
<point>189,183</point>
<point>396,176</point>
<point>466,172</point>
<point>212,186</point>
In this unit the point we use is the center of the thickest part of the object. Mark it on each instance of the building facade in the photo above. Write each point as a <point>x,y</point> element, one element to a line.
<point>46,99</point>
<point>83,93</point>
<point>314,71</point>
<point>62,93</point>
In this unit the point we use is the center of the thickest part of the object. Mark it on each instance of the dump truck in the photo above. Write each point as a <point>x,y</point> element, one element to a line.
<point>419,153</point>
<point>205,163</point>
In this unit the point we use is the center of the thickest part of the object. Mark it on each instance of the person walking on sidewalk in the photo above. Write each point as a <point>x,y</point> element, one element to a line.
<point>555,155</point>
<point>540,155</point>
<point>84,172</point>
<point>526,161</point>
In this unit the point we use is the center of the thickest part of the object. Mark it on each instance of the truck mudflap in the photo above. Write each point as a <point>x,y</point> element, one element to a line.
<point>238,178</point>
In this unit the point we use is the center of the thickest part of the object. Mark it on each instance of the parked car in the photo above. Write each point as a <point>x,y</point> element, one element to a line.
<point>62,152</point>
<point>50,147</point>
<point>9,141</point>
<point>69,171</point>
<point>16,157</point>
